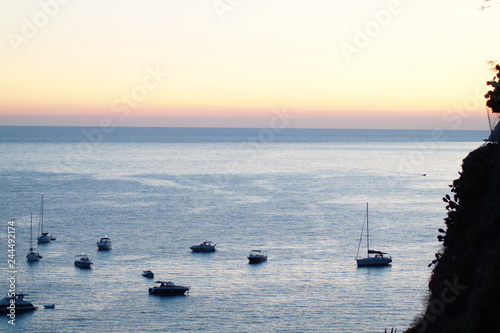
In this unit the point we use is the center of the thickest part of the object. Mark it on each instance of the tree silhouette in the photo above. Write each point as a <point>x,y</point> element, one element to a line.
<point>493,96</point>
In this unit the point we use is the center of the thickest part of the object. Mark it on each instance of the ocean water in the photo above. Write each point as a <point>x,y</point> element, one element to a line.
<point>298,194</point>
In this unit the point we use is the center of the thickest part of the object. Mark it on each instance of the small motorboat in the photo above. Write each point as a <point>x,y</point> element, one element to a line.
<point>104,243</point>
<point>168,288</point>
<point>148,274</point>
<point>83,261</point>
<point>49,306</point>
<point>256,256</point>
<point>206,246</point>
<point>16,303</point>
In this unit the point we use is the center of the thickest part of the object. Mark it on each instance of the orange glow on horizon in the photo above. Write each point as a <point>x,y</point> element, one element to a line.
<point>176,61</point>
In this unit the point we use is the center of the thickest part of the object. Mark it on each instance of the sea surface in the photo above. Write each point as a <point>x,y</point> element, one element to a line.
<point>298,194</point>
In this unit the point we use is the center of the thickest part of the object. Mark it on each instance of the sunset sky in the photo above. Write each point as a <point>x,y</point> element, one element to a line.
<point>237,63</point>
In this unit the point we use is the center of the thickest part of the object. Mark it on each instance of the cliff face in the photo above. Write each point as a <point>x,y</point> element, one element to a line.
<point>464,289</point>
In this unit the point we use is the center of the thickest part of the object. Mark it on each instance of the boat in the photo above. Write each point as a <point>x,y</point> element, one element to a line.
<point>32,255</point>
<point>205,246</point>
<point>168,288</point>
<point>104,243</point>
<point>44,237</point>
<point>256,256</point>
<point>49,306</point>
<point>373,258</point>
<point>148,274</point>
<point>83,261</point>
<point>15,302</point>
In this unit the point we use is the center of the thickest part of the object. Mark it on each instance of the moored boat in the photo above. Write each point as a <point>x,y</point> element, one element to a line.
<point>32,255</point>
<point>378,259</point>
<point>205,246</point>
<point>83,261</point>
<point>373,258</point>
<point>168,288</point>
<point>256,256</point>
<point>104,243</point>
<point>44,237</point>
<point>16,303</point>
<point>148,274</point>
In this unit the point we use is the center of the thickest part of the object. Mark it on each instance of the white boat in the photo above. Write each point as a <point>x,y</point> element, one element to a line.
<point>16,303</point>
<point>168,288</point>
<point>205,246</point>
<point>373,258</point>
<point>104,243</point>
<point>256,256</point>
<point>83,261</point>
<point>43,237</point>
<point>32,255</point>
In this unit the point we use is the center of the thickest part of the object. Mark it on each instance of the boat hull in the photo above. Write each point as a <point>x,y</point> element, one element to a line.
<point>148,274</point>
<point>33,256</point>
<point>202,248</point>
<point>44,239</point>
<point>19,308</point>
<point>20,305</point>
<point>256,260</point>
<point>373,262</point>
<point>167,291</point>
<point>83,264</point>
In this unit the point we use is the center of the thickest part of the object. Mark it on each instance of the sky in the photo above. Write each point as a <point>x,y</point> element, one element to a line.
<point>416,64</point>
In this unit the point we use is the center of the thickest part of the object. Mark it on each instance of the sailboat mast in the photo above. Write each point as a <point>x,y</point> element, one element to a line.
<point>31,231</point>
<point>42,215</point>
<point>367,232</point>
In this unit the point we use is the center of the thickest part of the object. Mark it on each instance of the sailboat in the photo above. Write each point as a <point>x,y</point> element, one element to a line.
<point>44,237</point>
<point>374,258</point>
<point>32,255</point>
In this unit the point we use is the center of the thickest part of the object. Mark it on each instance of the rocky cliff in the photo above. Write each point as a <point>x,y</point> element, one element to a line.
<point>464,289</point>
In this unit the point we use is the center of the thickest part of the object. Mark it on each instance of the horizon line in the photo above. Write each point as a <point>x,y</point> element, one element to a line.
<point>242,127</point>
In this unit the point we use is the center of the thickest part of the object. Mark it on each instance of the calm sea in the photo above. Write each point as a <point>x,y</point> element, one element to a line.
<point>300,195</point>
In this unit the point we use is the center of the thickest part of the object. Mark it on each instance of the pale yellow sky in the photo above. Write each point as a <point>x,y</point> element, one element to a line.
<point>376,64</point>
